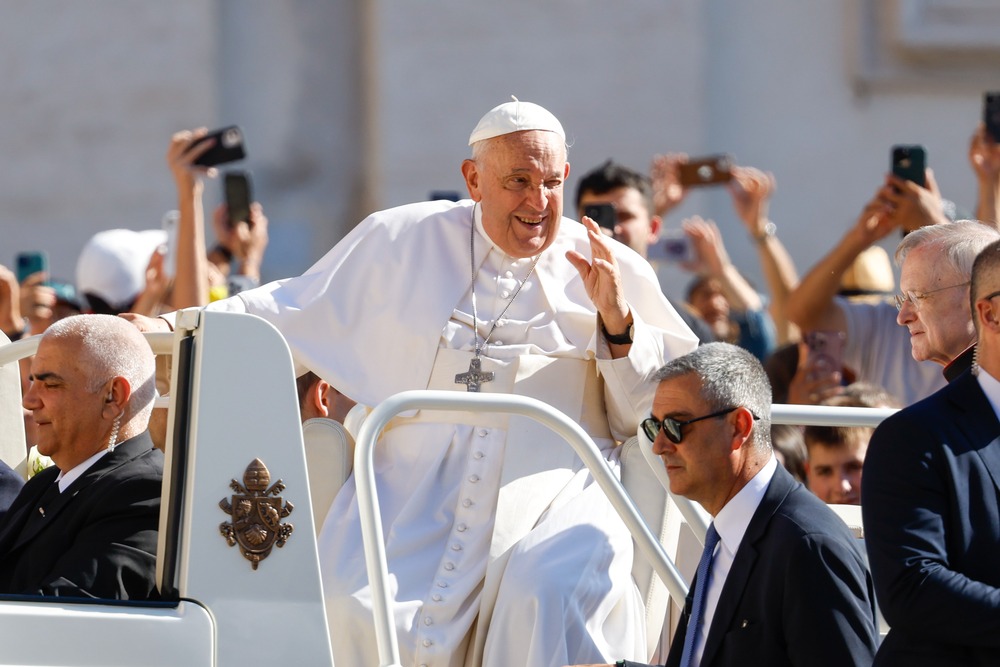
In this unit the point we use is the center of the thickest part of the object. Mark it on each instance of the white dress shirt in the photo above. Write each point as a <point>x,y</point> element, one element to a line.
<point>731,524</point>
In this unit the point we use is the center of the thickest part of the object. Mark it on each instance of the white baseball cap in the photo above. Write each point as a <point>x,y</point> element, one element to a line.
<point>112,264</point>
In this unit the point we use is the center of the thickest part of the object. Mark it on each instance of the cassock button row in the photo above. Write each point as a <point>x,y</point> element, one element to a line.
<point>448,566</point>
<point>473,478</point>
<point>428,620</point>
<point>466,503</point>
<point>461,527</point>
<point>456,547</point>
<point>437,597</point>
<point>428,642</point>
<point>442,584</point>
<point>482,434</point>
<point>479,455</point>
<point>508,274</point>
<point>504,294</point>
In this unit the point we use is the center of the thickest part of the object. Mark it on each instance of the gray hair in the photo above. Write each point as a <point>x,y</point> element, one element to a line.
<point>481,148</point>
<point>730,376</point>
<point>959,242</point>
<point>109,347</point>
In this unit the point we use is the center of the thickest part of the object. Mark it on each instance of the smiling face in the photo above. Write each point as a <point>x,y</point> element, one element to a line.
<point>66,410</point>
<point>518,179</point>
<point>940,325</point>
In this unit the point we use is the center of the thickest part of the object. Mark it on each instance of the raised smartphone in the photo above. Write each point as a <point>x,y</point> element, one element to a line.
<point>910,162</point>
<point>228,147</point>
<point>239,194</point>
<point>991,114</point>
<point>704,171</point>
<point>604,215</point>
<point>31,262</point>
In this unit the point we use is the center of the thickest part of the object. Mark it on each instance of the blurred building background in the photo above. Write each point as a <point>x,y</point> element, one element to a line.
<point>349,106</point>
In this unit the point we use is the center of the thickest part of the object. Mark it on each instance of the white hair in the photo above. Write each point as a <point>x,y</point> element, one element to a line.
<point>111,347</point>
<point>959,242</point>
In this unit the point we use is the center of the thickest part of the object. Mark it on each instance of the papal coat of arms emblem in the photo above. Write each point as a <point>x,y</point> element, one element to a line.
<point>257,511</point>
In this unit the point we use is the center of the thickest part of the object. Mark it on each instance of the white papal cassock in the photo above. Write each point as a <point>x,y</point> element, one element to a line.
<point>502,550</point>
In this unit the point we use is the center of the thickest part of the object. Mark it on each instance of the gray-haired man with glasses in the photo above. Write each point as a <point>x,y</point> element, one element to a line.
<point>782,580</point>
<point>935,268</point>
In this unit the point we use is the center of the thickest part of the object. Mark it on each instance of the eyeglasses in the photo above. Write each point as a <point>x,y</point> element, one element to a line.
<point>914,298</point>
<point>672,428</point>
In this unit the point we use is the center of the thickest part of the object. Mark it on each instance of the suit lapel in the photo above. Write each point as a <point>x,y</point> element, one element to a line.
<point>744,561</point>
<point>978,423</point>
<point>23,506</point>
<point>124,452</point>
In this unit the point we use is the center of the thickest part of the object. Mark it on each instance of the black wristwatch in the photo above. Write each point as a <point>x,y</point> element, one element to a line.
<point>622,338</point>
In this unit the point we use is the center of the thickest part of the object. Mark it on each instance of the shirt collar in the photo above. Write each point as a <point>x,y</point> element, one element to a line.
<point>990,387</point>
<point>64,479</point>
<point>734,518</point>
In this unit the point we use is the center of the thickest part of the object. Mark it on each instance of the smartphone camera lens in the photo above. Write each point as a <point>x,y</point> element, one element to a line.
<point>231,138</point>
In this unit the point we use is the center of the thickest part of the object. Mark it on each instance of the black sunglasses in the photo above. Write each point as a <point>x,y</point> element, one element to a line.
<point>672,428</point>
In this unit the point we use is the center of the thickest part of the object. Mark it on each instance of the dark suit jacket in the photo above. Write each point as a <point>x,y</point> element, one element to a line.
<point>97,538</point>
<point>932,528</point>
<point>798,593</point>
<point>10,485</point>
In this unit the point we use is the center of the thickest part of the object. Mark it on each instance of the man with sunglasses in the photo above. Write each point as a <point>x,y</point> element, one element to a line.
<point>931,502</point>
<point>782,580</point>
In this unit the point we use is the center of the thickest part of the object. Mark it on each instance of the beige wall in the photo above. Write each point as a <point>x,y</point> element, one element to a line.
<point>352,105</point>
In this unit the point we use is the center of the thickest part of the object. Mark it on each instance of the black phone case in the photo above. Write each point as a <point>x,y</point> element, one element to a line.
<point>228,147</point>
<point>991,114</point>
<point>909,162</point>
<point>238,196</point>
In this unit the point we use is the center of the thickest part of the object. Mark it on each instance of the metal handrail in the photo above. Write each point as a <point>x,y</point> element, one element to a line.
<point>826,415</point>
<point>370,515</point>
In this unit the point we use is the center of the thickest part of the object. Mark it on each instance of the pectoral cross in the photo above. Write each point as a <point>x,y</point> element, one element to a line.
<point>475,375</point>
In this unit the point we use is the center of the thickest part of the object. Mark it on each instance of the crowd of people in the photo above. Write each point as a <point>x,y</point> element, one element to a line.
<point>504,550</point>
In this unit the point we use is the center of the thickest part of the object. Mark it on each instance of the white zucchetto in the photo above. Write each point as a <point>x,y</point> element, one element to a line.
<point>515,116</point>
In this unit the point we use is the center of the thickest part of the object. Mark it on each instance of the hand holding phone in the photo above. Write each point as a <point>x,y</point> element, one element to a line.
<point>909,162</point>
<point>227,147</point>
<point>30,263</point>
<point>605,215</point>
<point>705,171</point>
<point>238,193</point>
<point>826,350</point>
<point>991,114</point>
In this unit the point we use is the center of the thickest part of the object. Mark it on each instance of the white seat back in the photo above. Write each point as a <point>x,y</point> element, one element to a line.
<point>329,459</point>
<point>13,451</point>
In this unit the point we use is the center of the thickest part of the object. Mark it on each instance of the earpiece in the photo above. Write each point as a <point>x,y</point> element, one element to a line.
<point>109,398</point>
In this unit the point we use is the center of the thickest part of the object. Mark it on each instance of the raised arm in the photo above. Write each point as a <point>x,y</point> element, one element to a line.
<point>811,305</point>
<point>191,281</point>
<point>984,156</point>
<point>713,260</point>
<point>751,190</point>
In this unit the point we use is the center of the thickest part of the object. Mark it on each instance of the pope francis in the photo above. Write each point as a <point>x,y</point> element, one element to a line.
<point>502,549</point>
